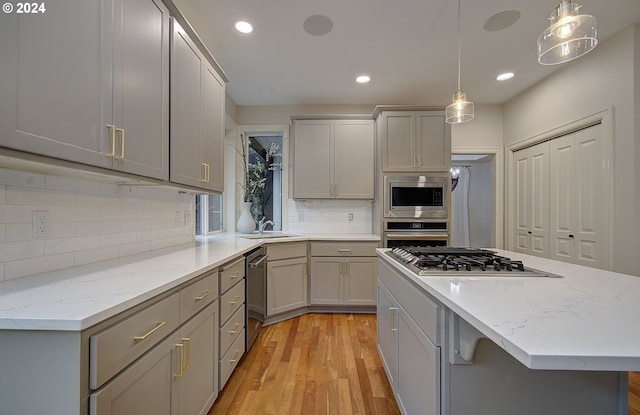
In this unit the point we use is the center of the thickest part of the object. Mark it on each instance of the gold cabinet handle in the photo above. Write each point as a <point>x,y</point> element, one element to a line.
<point>235,329</point>
<point>153,330</point>
<point>234,276</point>
<point>391,309</point>
<point>121,131</point>
<point>203,295</point>
<point>235,358</point>
<point>233,303</point>
<point>208,172</point>
<point>187,341</point>
<point>112,128</point>
<point>181,372</point>
<point>203,172</point>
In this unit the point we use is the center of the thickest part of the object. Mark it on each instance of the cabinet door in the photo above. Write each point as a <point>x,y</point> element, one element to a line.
<point>56,80</point>
<point>387,331</point>
<point>433,141</point>
<point>213,124</point>
<point>141,88</point>
<point>186,109</point>
<point>286,285</point>
<point>145,388</point>
<point>198,385</point>
<point>360,281</point>
<point>326,280</point>
<point>418,389</point>
<point>354,159</point>
<point>398,141</point>
<point>313,175</point>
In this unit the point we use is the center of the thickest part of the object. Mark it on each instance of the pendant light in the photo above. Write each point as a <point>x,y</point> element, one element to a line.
<point>460,110</point>
<point>569,36</point>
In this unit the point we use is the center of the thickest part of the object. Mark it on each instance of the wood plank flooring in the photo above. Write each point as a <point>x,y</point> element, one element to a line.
<point>314,364</point>
<point>321,364</point>
<point>634,393</point>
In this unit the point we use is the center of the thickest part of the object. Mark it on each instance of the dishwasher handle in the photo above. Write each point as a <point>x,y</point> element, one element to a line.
<point>261,259</point>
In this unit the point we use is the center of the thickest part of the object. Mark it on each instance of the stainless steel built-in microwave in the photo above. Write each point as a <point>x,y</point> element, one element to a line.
<point>425,196</point>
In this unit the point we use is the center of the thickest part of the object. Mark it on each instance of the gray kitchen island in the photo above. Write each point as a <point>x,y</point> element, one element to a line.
<point>457,343</point>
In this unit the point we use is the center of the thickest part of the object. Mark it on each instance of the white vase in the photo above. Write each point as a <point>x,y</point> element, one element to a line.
<point>245,224</point>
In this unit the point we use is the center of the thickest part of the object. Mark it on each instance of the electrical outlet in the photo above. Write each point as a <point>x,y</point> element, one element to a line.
<point>40,223</point>
<point>350,217</point>
<point>300,216</point>
<point>187,217</point>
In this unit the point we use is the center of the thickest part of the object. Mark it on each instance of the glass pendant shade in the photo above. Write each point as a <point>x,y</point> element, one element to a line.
<point>569,36</point>
<point>460,110</point>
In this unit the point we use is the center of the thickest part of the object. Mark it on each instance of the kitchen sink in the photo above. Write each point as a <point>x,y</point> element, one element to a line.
<point>268,235</point>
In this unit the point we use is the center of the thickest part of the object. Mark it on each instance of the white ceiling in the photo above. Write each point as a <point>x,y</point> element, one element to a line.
<point>408,47</point>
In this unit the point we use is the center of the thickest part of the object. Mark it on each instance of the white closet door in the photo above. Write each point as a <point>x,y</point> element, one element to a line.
<point>531,169</point>
<point>576,208</point>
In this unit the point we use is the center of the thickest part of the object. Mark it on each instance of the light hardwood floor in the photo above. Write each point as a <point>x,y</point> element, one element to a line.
<point>321,364</point>
<point>634,393</point>
<point>315,364</point>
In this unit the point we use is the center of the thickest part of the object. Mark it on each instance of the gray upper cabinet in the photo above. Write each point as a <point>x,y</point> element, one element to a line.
<point>93,92</point>
<point>334,159</point>
<point>197,111</point>
<point>414,141</point>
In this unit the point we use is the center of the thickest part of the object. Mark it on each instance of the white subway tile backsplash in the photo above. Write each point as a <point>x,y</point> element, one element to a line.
<point>329,216</point>
<point>21,178</point>
<point>89,221</point>
<point>35,265</point>
<point>36,196</point>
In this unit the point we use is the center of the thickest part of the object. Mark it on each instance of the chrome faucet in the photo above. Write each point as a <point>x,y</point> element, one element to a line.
<point>263,223</point>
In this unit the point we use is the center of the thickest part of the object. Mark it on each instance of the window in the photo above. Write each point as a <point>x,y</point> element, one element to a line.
<point>265,152</point>
<point>209,214</point>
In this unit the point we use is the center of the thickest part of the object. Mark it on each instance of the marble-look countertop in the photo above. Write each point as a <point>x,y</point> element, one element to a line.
<point>588,320</point>
<point>76,298</point>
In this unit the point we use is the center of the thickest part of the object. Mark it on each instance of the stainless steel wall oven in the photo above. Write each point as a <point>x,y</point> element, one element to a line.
<point>415,233</point>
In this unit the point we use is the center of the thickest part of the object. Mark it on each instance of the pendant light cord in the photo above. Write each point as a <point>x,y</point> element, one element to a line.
<point>459,58</point>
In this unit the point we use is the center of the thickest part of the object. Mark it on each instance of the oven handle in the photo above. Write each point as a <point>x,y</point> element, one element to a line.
<point>254,264</point>
<point>417,236</point>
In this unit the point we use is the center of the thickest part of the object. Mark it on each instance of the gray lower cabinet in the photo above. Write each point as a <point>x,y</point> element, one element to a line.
<point>135,368</point>
<point>197,116</point>
<point>408,344</point>
<point>232,318</point>
<point>94,92</point>
<point>286,277</point>
<point>343,273</point>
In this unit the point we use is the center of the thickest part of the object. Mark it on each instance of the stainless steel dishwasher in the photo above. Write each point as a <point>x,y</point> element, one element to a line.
<point>256,272</point>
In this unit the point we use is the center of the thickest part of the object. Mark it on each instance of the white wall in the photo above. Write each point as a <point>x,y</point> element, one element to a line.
<point>606,77</point>
<point>90,221</point>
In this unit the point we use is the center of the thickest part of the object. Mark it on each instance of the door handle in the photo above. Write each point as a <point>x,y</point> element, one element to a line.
<point>391,310</point>
<point>121,131</point>
<point>112,129</point>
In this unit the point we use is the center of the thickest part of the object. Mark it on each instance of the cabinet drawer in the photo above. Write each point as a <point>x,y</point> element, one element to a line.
<point>230,360</point>
<point>231,301</point>
<point>198,295</point>
<point>113,349</point>
<point>286,250</point>
<point>424,311</point>
<point>230,274</point>
<point>343,248</point>
<point>231,330</point>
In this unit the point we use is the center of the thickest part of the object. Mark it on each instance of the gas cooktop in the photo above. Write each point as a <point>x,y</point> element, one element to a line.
<point>446,260</point>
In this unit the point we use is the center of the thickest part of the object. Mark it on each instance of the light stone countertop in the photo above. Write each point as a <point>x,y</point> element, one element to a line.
<point>76,298</point>
<point>588,320</point>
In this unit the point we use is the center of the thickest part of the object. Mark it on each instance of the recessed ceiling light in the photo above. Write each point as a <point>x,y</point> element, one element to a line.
<point>244,27</point>
<point>363,79</point>
<point>505,76</point>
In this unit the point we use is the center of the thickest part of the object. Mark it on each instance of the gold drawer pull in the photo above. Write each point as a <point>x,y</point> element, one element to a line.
<point>344,250</point>
<point>188,342</point>
<point>121,131</point>
<point>391,310</point>
<point>235,358</point>
<point>234,276</point>
<point>156,328</point>
<point>181,347</point>
<point>233,303</point>
<point>235,329</point>
<point>203,295</point>
<point>112,128</point>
